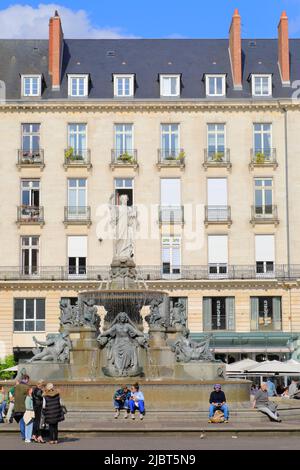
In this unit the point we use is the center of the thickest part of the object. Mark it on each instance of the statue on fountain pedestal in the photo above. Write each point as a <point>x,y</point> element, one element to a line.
<point>187,350</point>
<point>122,341</point>
<point>123,219</point>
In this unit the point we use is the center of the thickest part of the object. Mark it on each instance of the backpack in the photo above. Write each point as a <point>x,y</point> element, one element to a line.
<point>218,417</point>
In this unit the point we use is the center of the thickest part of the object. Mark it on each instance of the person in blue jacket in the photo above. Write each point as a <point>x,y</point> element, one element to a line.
<point>121,401</point>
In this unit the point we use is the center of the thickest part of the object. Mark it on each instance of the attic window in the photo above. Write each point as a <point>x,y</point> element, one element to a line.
<point>215,85</point>
<point>262,85</point>
<point>124,86</point>
<point>110,54</point>
<point>31,85</point>
<point>170,85</point>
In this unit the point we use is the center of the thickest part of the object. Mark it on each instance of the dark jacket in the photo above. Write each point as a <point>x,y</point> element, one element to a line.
<point>122,395</point>
<point>52,409</point>
<point>37,397</point>
<point>20,395</point>
<point>217,397</point>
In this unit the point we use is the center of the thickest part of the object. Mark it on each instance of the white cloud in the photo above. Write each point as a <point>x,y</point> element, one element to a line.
<point>26,22</point>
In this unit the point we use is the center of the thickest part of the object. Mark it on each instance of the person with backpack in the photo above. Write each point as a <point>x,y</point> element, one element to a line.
<point>218,403</point>
<point>53,411</point>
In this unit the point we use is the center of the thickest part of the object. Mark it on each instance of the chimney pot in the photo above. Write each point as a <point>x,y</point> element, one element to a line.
<point>235,50</point>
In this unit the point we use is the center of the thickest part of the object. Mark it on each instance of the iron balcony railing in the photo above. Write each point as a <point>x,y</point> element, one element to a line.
<point>31,157</point>
<point>76,157</point>
<point>263,156</point>
<point>124,157</point>
<point>264,213</point>
<point>216,156</point>
<point>168,156</point>
<point>30,214</point>
<point>171,214</point>
<point>217,214</point>
<point>77,214</point>
<point>151,273</point>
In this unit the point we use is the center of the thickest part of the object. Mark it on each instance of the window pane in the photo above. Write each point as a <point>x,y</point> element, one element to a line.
<point>29,325</point>
<point>40,326</point>
<point>29,308</point>
<point>18,326</point>
<point>211,86</point>
<point>18,309</point>
<point>40,309</point>
<point>173,86</point>
<point>219,81</point>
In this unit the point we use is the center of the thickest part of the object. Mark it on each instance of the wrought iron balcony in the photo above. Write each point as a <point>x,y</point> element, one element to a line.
<point>171,157</point>
<point>77,158</point>
<point>216,158</point>
<point>124,158</point>
<point>30,215</point>
<point>217,215</point>
<point>30,159</point>
<point>171,215</point>
<point>77,215</point>
<point>264,215</point>
<point>263,157</point>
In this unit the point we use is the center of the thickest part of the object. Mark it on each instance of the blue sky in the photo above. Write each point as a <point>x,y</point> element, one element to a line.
<point>148,18</point>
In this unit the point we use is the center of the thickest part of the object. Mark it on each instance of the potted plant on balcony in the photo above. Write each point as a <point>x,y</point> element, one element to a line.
<point>125,157</point>
<point>69,153</point>
<point>218,157</point>
<point>260,157</point>
<point>181,156</point>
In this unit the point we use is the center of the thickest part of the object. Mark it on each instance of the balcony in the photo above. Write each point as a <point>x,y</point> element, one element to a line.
<point>30,215</point>
<point>218,215</point>
<point>31,159</point>
<point>77,158</point>
<point>217,159</point>
<point>174,158</point>
<point>124,159</point>
<point>263,158</point>
<point>77,215</point>
<point>264,215</point>
<point>171,215</point>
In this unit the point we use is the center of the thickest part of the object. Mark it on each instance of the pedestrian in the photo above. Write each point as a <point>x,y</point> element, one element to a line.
<point>52,411</point>
<point>217,401</point>
<point>20,396</point>
<point>285,393</point>
<point>2,404</point>
<point>137,401</point>
<point>28,416</point>
<point>271,388</point>
<point>11,403</point>
<point>262,403</point>
<point>121,401</point>
<point>37,397</point>
<point>293,389</point>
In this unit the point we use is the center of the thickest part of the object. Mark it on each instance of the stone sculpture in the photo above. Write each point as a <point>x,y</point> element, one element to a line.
<point>178,315</point>
<point>83,315</point>
<point>187,350</point>
<point>122,341</point>
<point>66,313</point>
<point>56,348</point>
<point>156,315</point>
<point>123,219</point>
<point>90,315</point>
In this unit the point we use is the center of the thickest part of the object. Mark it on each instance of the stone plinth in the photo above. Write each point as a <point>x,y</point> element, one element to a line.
<point>85,354</point>
<point>48,371</point>
<point>173,332</point>
<point>199,371</point>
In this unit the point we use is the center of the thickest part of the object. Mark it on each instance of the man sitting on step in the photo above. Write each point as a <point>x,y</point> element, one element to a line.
<point>121,400</point>
<point>217,401</point>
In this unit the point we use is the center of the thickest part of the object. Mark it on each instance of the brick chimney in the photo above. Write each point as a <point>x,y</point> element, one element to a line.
<point>56,43</point>
<point>283,49</point>
<point>235,50</point>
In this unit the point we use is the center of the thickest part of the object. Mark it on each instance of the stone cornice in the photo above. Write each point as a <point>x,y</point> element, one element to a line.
<point>105,106</point>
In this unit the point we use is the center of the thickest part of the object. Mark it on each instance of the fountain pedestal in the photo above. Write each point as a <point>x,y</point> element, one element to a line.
<point>85,354</point>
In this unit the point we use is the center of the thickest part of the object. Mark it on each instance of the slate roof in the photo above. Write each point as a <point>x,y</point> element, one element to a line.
<point>146,58</point>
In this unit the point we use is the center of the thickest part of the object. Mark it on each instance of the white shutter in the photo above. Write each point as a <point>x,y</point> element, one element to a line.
<point>170,192</point>
<point>77,247</point>
<point>217,192</point>
<point>217,249</point>
<point>264,248</point>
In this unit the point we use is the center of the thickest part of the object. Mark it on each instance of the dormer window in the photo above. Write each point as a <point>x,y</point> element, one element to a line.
<point>124,86</point>
<point>262,85</point>
<point>215,85</point>
<point>31,85</point>
<point>170,86</point>
<point>78,86</point>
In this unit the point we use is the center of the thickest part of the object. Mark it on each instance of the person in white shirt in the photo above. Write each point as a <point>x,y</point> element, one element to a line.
<point>137,401</point>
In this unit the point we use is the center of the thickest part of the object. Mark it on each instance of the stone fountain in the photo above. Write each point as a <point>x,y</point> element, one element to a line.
<point>87,353</point>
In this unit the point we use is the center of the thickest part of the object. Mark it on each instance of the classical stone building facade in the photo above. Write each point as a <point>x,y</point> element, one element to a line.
<point>202,135</point>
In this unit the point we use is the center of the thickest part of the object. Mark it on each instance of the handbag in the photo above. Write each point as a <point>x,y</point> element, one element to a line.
<point>28,416</point>
<point>64,409</point>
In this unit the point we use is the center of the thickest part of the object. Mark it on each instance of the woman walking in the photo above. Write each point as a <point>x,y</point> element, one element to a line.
<point>28,416</point>
<point>37,396</point>
<point>52,411</point>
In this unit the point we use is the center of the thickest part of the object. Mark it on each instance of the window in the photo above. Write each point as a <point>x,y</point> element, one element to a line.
<point>216,142</point>
<point>261,85</point>
<point>265,254</point>
<point>30,255</point>
<point>30,138</point>
<point>262,135</point>
<point>124,186</point>
<point>29,315</point>
<point>77,255</point>
<point>217,254</point>
<point>218,313</point>
<point>124,86</point>
<point>170,85</point>
<point>265,313</point>
<point>78,85</point>
<point>77,139</point>
<point>170,200</point>
<point>170,141</point>
<point>31,85</point>
<point>30,193</point>
<point>215,85</point>
<point>123,140</point>
<point>263,197</point>
<point>217,199</point>
<point>77,198</point>
<point>171,256</point>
